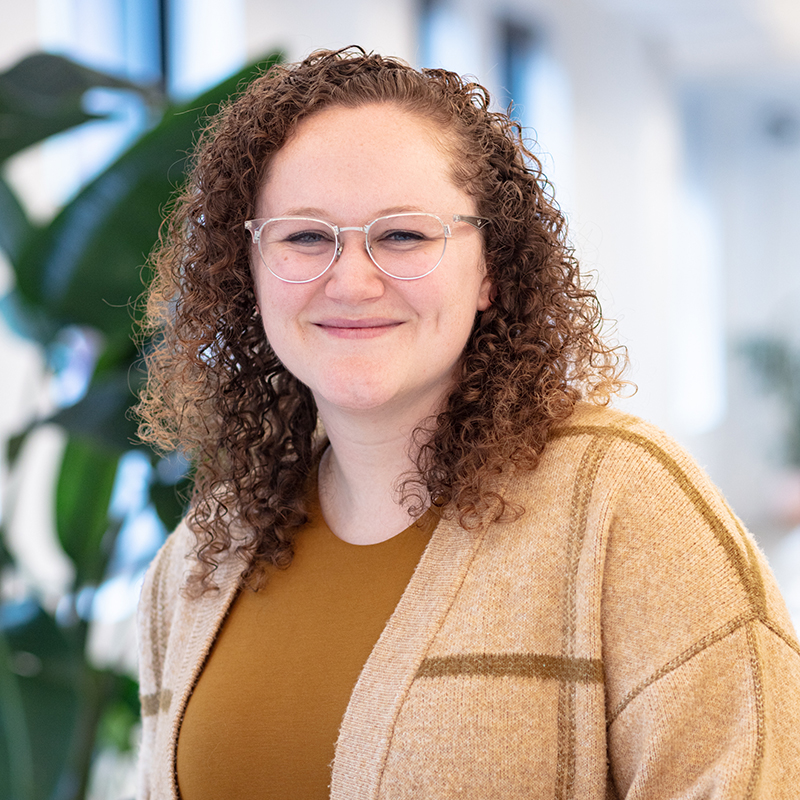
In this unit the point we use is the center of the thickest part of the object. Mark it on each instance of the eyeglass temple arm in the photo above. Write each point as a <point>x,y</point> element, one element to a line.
<point>476,222</point>
<point>253,227</point>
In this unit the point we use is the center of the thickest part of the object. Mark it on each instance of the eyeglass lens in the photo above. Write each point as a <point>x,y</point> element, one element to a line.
<point>402,245</point>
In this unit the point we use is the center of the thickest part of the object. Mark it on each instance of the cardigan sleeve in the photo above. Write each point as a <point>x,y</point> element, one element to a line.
<point>702,664</point>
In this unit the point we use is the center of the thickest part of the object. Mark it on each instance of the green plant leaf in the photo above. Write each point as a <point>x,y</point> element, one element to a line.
<point>120,715</point>
<point>42,95</point>
<point>57,703</point>
<point>6,559</point>
<point>45,666</point>
<point>15,227</point>
<point>83,494</point>
<point>171,502</point>
<point>85,267</point>
<point>14,446</point>
<point>16,753</point>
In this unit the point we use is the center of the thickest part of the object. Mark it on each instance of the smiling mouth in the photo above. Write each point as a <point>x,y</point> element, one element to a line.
<point>357,328</point>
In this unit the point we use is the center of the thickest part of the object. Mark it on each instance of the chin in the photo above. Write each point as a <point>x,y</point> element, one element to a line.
<point>355,389</point>
<point>353,401</point>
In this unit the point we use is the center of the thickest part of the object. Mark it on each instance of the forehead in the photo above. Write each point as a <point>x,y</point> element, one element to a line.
<point>378,156</point>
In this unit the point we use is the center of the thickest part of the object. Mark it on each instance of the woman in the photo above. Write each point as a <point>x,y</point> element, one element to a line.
<point>418,562</point>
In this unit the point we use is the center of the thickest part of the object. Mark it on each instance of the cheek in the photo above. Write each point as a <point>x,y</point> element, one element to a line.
<point>454,326</point>
<point>461,299</point>
<point>272,308</point>
<point>258,288</point>
<point>277,323</point>
<point>277,299</point>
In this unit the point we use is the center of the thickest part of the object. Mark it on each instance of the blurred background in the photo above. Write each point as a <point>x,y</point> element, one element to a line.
<point>669,128</point>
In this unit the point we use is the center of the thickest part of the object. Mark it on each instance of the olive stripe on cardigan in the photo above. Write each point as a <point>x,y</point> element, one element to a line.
<point>581,500</point>
<point>758,693</point>
<point>783,635</point>
<point>153,703</point>
<point>516,665</point>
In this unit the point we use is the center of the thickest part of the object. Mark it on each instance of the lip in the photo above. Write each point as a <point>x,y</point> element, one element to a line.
<point>357,328</point>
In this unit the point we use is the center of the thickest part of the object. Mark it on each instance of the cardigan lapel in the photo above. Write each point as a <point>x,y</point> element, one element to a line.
<point>366,731</point>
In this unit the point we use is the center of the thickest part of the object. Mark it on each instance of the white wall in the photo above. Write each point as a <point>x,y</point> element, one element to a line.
<point>18,33</point>
<point>753,179</point>
<point>626,166</point>
<point>298,28</point>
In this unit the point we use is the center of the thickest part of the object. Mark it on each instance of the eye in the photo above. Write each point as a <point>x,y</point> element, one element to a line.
<point>406,232</point>
<point>400,239</point>
<point>403,235</point>
<point>308,238</point>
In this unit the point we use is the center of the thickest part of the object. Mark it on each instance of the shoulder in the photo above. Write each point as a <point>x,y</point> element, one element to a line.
<point>602,453</point>
<point>601,423</point>
<point>607,467</point>
<point>647,516</point>
<point>652,494</point>
<point>681,574</point>
<point>625,454</point>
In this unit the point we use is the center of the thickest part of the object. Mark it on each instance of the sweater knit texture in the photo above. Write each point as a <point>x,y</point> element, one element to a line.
<point>623,638</point>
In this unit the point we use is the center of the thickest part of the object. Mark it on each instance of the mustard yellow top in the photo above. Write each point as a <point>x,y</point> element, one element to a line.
<point>264,716</point>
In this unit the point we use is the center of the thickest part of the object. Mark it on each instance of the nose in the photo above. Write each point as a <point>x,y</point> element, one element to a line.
<point>354,278</point>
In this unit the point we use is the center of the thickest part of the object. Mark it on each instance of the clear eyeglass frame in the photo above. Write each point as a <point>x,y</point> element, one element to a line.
<point>256,226</point>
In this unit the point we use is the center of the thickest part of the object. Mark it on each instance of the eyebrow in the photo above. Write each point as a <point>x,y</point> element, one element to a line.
<point>318,213</point>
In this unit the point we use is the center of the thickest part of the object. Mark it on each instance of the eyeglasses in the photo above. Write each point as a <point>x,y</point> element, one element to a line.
<point>403,246</point>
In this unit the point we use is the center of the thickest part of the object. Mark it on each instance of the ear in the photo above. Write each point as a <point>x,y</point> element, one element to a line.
<point>485,294</point>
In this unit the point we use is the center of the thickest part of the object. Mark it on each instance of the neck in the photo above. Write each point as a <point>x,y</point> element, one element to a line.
<point>360,475</point>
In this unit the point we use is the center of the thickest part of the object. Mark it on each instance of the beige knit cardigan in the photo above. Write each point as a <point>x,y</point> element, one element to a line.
<point>622,639</point>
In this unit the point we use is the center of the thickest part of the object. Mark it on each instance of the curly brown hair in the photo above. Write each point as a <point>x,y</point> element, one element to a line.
<point>217,390</point>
